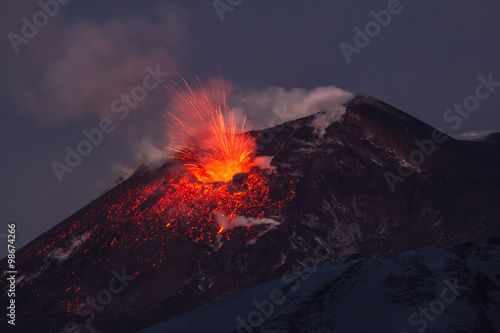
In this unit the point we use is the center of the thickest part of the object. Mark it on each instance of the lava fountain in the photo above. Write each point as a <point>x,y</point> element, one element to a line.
<point>213,147</point>
<point>207,138</point>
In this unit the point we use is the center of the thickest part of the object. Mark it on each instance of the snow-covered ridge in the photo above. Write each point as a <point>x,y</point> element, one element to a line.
<point>428,290</point>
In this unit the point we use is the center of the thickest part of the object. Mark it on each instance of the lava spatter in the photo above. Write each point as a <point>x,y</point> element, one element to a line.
<point>205,133</point>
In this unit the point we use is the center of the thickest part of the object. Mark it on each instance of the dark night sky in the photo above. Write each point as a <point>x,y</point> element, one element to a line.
<point>65,78</point>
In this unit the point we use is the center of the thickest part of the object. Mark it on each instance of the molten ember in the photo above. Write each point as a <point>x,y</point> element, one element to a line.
<point>206,134</point>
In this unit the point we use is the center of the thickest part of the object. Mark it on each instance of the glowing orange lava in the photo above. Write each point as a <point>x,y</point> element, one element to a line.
<point>206,134</point>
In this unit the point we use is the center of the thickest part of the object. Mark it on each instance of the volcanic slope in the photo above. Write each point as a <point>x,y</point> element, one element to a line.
<point>328,185</point>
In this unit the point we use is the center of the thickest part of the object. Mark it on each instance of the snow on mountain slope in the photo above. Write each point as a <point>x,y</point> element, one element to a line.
<point>452,289</point>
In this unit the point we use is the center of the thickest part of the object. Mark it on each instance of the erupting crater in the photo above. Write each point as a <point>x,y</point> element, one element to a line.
<point>206,136</point>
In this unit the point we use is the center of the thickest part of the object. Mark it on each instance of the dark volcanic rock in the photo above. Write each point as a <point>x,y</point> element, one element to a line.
<point>342,193</point>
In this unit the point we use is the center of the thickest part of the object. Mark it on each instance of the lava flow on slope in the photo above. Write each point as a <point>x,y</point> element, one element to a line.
<point>142,226</point>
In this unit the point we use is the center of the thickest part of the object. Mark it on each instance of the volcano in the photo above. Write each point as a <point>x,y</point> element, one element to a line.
<point>371,181</point>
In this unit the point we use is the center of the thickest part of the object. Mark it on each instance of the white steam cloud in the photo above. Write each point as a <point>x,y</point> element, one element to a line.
<point>146,153</point>
<point>474,135</point>
<point>241,221</point>
<point>276,105</point>
<point>149,153</point>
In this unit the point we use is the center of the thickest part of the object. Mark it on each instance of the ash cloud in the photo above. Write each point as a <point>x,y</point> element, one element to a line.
<point>67,73</point>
